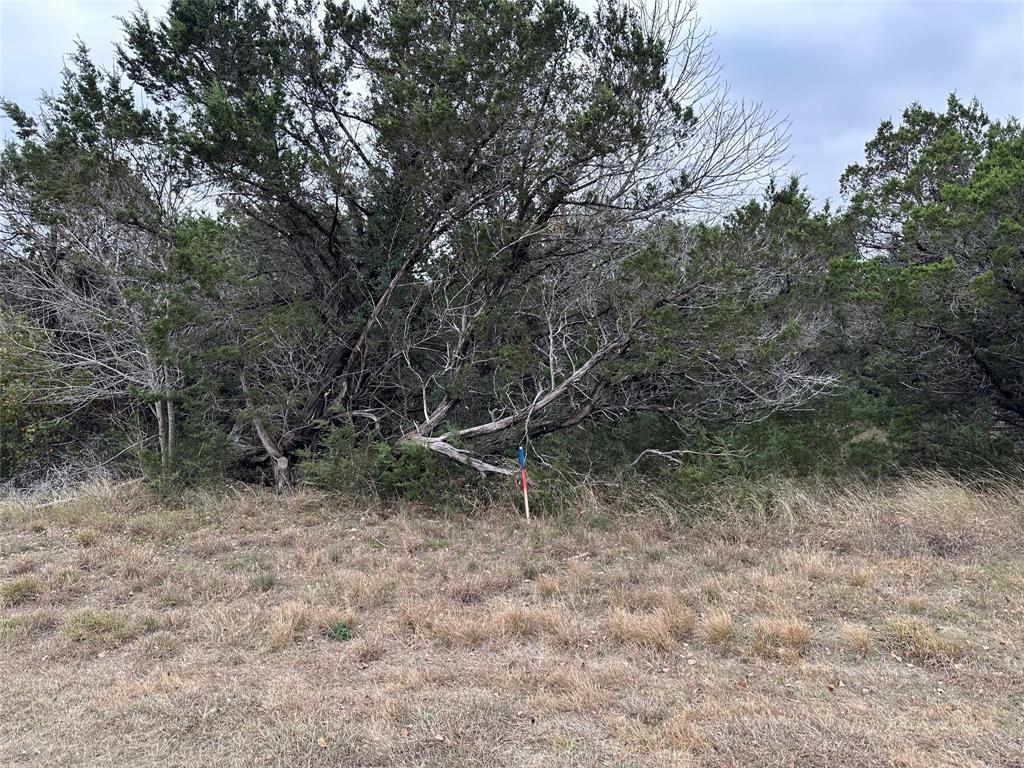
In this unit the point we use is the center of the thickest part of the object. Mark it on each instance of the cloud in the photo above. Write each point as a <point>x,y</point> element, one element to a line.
<point>994,61</point>
<point>836,69</point>
<point>782,19</point>
<point>36,36</point>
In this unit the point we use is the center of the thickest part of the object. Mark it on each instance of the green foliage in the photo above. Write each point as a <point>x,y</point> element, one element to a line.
<point>355,464</point>
<point>413,473</point>
<point>342,462</point>
<point>30,429</point>
<point>340,631</point>
<point>203,454</point>
<point>935,212</point>
<point>859,433</point>
<point>458,220</point>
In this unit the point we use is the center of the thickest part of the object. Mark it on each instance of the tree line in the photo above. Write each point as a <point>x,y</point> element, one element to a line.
<point>386,243</point>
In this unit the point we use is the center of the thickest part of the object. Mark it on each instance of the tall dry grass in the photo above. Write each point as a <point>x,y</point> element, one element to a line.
<point>819,624</point>
<point>927,512</point>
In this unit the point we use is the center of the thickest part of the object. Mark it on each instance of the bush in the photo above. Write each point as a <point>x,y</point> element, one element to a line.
<point>414,473</point>
<point>341,463</point>
<point>360,464</point>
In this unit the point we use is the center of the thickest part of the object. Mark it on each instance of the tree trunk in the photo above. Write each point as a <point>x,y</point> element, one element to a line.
<point>280,465</point>
<point>438,445</point>
<point>158,408</point>
<point>282,471</point>
<point>171,419</point>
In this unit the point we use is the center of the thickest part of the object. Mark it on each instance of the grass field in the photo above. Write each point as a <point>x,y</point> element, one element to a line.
<point>880,627</point>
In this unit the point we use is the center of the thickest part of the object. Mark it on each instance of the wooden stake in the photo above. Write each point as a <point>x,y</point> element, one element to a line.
<point>526,492</point>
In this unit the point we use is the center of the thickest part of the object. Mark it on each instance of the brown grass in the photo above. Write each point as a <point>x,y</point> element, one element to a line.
<point>296,621</point>
<point>783,638</point>
<point>547,585</point>
<point>718,628</point>
<point>822,627</point>
<point>679,732</point>
<point>640,629</point>
<point>857,639</point>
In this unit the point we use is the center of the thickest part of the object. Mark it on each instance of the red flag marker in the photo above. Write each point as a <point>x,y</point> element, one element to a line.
<point>526,493</point>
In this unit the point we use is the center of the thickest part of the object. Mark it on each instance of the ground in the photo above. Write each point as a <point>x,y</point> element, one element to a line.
<point>809,626</point>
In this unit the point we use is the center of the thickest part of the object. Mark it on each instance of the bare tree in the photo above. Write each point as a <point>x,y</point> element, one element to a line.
<point>88,204</point>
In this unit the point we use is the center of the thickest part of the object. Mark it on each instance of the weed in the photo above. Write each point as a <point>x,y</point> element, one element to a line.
<point>677,618</point>
<point>530,570</point>
<point>87,537</point>
<point>547,585</point>
<point>645,630</point>
<point>913,639</point>
<point>340,631</point>
<point>861,578</point>
<point>679,733</point>
<point>13,629</point>
<point>98,629</point>
<point>293,619</point>
<point>19,591</point>
<point>264,581</point>
<point>857,639</point>
<point>252,561</point>
<point>718,628</point>
<point>260,565</point>
<point>161,645</point>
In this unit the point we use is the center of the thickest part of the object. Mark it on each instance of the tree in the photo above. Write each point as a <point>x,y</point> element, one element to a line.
<point>937,212</point>
<point>96,214</point>
<point>455,207</point>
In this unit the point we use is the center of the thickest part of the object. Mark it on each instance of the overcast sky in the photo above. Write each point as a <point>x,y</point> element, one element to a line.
<point>836,69</point>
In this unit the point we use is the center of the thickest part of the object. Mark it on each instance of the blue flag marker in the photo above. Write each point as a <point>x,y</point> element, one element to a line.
<point>522,470</point>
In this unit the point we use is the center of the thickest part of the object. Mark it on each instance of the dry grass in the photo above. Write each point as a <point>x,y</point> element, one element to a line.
<point>679,733</point>
<point>19,590</point>
<point>857,639</point>
<point>718,628</point>
<point>296,620</point>
<point>642,630</point>
<point>829,627</point>
<point>916,640</point>
<point>784,638</point>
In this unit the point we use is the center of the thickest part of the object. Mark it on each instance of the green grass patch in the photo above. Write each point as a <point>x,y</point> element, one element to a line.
<point>13,630</point>
<point>916,640</point>
<point>100,629</point>
<point>19,591</point>
<point>261,567</point>
<point>252,561</point>
<point>340,631</point>
<point>264,581</point>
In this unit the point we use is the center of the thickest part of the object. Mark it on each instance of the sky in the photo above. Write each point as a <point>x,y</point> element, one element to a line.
<point>834,68</point>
